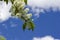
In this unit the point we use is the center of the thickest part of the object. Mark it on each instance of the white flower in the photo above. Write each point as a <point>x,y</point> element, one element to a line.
<point>22,5</point>
<point>26,10</point>
<point>19,3</point>
<point>29,15</point>
<point>18,14</point>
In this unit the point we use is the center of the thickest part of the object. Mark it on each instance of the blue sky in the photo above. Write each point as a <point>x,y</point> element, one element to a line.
<point>47,23</point>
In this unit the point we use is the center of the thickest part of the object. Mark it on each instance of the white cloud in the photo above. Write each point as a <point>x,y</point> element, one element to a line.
<point>45,38</point>
<point>4,11</point>
<point>44,5</point>
<point>40,4</point>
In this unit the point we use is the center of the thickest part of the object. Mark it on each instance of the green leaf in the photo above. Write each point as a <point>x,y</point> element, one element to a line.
<point>2,38</point>
<point>24,26</point>
<point>25,2</point>
<point>31,25</point>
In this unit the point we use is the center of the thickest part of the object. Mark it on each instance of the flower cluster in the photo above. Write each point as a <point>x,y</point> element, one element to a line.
<point>18,10</point>
<point>19,4</point>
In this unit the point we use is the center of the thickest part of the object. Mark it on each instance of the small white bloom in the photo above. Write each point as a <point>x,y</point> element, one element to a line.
<point>18,14</point>
<point>22,5</point>
<point>29,15</point>
<point>26,10</point>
